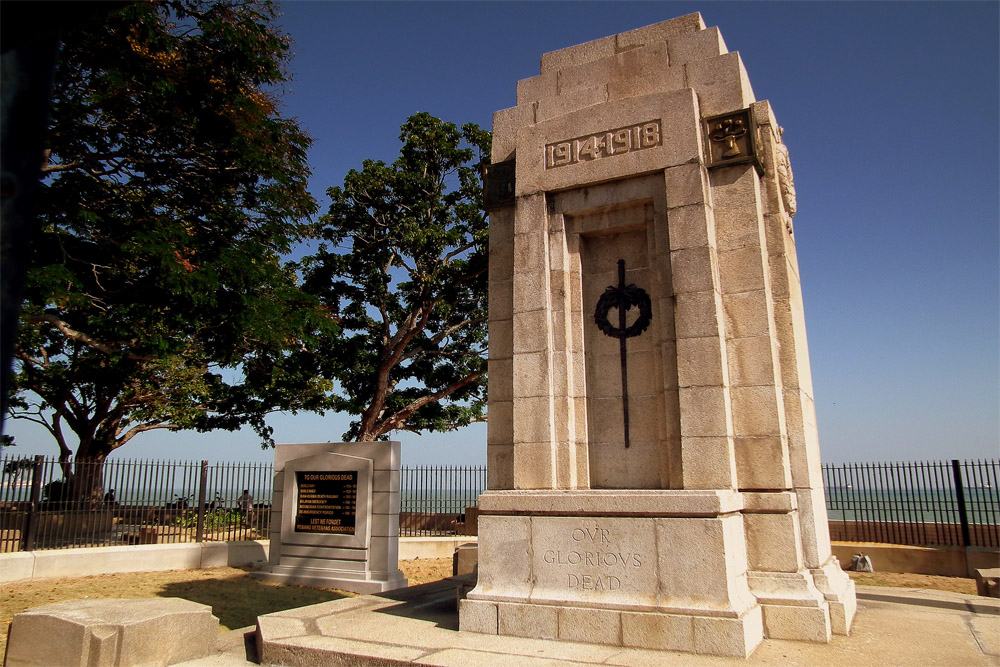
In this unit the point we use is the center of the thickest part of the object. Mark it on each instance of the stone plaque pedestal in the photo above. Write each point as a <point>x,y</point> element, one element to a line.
<point>654,470</point>
<point>335,517</point>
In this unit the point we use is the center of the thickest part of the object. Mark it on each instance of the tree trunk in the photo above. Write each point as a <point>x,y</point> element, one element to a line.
<point>87,485</point>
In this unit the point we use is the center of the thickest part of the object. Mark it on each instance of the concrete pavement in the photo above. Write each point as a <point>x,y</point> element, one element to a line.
<point>418,626</point>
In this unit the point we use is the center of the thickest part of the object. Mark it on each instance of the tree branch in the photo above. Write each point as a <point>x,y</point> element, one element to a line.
<point>397,420</point>
<point>80,337</point>
<point>140,428</point>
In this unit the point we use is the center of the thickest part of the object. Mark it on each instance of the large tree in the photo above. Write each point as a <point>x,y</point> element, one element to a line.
<point>155,296</point>
<point>405,275</point>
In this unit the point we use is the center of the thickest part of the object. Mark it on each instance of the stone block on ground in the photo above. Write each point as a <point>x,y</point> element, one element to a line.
<point>988,582</point>
<point>112,633</point>
<point>465,559</point>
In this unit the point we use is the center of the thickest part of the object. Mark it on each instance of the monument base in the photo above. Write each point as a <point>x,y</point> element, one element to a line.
<point>661,631</point>
<point>352,582</point>
<point>671,574</point>
<point>838,590</point>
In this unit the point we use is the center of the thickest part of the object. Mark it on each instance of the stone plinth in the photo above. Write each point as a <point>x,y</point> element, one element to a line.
<point>653,455</point>
<point>335,517</point>
<point>113,632</point>
<point>648,569</point>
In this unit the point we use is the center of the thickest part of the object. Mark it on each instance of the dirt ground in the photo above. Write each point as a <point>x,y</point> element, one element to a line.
<point>237,599</point>
<point>904,580</point>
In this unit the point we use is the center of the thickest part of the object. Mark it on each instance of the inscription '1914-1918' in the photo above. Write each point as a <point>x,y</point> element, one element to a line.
<point>605,144</point>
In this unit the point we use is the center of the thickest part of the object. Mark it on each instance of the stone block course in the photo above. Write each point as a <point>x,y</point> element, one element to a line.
<point>741,269</point>
<point>721,82</point>
<point>579,98</point>
<point>686,185</point>
<point>533,621</point>
<point>663,31</point>
<point>751,361</point>
<point>505,125</point>
<point>762,463</point>
<point>642,61</point>
<point>697,314</point>
<point>695,46</point>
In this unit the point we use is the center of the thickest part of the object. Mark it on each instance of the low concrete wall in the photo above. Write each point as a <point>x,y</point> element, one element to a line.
<point>913,534</point>
<point>90,561</point>
<point>945,561</point>
<point>432,547</point>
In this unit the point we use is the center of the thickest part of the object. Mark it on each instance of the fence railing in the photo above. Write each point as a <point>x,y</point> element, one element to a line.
<point>938,503</point>
<point>48,505</point>
<point>954,503</point>
<point>146,502</point>
<point>436,500</point>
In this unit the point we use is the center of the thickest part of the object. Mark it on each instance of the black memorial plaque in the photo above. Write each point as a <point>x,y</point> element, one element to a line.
<point>327,501</point>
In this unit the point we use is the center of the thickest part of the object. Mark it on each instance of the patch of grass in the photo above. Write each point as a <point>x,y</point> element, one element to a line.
<point>235,597</point>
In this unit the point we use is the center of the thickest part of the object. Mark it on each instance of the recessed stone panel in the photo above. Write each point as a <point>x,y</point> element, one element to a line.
<point>595,562</point>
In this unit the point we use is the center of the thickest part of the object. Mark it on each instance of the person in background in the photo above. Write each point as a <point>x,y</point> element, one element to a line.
<point>245,505</point>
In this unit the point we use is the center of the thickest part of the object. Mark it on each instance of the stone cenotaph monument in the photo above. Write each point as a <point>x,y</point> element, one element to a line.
<point>654,471</point>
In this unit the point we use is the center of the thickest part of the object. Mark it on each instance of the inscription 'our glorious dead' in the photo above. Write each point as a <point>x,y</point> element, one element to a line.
<point>603,144</point>
<point>593,552</point>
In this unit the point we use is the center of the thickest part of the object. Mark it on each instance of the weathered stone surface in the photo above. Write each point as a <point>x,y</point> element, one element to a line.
<point>625,447</point>
<point>112,632</point>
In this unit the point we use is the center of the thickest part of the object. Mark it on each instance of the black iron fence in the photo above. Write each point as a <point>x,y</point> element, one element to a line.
<point>440,500</point>
<point>46,505</point>
<point>938,503</point>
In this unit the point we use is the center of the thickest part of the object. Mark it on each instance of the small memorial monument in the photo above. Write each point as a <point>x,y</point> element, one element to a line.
<point>335,517</point>
<point>654,472</point>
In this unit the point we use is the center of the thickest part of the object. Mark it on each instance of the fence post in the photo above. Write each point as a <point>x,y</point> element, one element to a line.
<point>963,516</point>
<point>31,524</point>
<point>199,531</point>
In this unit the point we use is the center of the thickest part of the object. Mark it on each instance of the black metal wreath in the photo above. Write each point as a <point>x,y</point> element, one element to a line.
<point>623,298</point>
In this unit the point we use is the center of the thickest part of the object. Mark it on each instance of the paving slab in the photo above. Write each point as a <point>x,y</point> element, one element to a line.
<point>419,626</point>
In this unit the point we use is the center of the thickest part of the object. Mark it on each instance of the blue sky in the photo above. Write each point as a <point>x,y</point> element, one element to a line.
<point>891,117</point>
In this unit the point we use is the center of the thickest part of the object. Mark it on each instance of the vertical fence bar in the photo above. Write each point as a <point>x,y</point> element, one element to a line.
<point>945,498</point>
<point>993,490</point>
<point>31,525</point>
<point>970,473</point>
<point>852,485</point>
<point>963,516</point>
<point>199,530</point>
<point>906,499</point>
<point>930,495</point>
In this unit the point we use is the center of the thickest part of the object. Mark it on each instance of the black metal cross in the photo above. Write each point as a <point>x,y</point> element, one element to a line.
<point>623,297</point>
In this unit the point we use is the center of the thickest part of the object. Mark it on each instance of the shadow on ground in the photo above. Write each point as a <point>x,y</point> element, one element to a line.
<point>435,602</point>
<point>238,601</point>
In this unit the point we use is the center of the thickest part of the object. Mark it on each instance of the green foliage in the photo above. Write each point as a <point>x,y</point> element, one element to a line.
<point>405,275</point>
<point>155,296</point>
<point>215,520</point>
